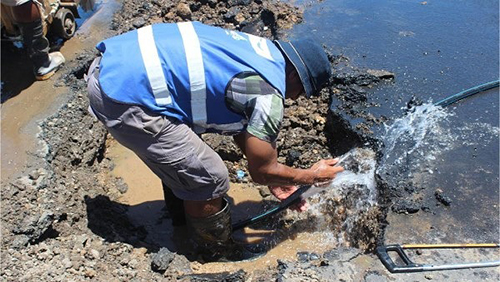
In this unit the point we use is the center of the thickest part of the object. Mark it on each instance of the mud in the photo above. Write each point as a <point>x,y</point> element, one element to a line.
<point>62,221</point>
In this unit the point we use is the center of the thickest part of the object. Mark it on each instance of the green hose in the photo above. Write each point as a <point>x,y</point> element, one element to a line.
<point>466,93</point>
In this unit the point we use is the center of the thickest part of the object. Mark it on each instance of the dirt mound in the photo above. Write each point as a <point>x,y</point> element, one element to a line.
<point>263,18</point>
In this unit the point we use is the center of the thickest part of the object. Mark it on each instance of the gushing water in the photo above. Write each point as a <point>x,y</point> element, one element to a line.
<point>415,139</point>
<point>337,208</point>
<point>347,210</point>
<point>414,142</point>
<point>358,177</point>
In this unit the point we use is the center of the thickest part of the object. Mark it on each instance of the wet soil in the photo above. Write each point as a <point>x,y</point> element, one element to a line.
<point>65,218</point>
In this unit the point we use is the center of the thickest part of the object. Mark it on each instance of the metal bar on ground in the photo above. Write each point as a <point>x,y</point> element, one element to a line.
<point>409,266</point>
<point>446,246</point>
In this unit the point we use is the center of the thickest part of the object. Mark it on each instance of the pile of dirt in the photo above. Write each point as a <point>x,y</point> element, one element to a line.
<point>61,221</point>
<point>263,18</point>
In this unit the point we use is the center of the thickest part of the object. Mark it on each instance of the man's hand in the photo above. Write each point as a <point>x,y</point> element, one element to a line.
<point>283,192</point>
<point>325,170</point>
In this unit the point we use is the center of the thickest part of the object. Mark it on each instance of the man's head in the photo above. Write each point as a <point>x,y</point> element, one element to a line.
<point>311,67</point>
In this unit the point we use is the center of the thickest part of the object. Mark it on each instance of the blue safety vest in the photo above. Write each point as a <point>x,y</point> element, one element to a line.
<point>183,70</point>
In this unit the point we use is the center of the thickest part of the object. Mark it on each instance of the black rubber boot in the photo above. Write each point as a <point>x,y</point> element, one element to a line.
<point>212,235</point>
<point>37,46</point>
<point>175,207</point>
<point>35,42</point>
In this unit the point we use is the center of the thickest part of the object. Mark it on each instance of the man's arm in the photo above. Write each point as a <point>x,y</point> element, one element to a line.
<point>264,167</point>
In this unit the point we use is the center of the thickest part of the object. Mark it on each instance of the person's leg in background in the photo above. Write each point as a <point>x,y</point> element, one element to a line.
<point>29,20</point>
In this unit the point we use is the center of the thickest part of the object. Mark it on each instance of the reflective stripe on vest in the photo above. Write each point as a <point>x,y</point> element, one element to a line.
<point>196,72</point>
<point>197,82</point>
<point>153,67</point>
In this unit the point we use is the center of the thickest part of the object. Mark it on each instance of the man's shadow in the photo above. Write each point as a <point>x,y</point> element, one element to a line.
<point>148,225</point>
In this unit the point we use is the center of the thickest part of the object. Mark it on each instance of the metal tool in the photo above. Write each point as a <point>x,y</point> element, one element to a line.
<point>410,266</point>
<point>294,198</point>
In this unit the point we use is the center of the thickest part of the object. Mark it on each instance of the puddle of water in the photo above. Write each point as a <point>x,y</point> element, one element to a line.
<point>143,184</point>
<point>102,14</point>
<point>285,249</point>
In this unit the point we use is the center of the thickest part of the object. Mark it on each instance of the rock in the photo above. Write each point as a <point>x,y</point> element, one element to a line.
<point>307,256</point>
<point>264,191</point>
<point>22,183</point>
<point>302,256</point>
<point>292,156</point>
<point>239,2</point>
<point>89,273</point>
<point>20,242</point>
<point>66,262</point>
<point>405,206</point>
<point>282,266</point>
<point>382,74</point>
<point>35,226</point>
<point>375,277</point>
<point>161,260</point>
<point>238,276</point>
<point>231,14</point>
<point>34,175</point>
<point>133,263</point>
<point>95,254</point>
<point>314,256</point>
<point>445,200</point>
<point>341,254</point>
<point>184,11</point>
<point>139,22</point>
<point>81,240</point>
<point>239,18</point>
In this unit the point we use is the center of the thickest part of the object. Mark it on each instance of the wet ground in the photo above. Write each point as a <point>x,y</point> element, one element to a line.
<point>81,222</point>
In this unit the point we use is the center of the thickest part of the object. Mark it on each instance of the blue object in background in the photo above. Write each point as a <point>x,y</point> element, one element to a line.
<point>240,174</point>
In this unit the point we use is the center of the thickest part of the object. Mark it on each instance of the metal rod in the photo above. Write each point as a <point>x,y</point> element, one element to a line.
<point>444,246</point>
<point>410,266</point>
<point>461,265</point>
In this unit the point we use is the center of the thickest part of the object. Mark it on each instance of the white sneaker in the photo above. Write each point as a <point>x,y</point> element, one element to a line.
<point>56,60</point>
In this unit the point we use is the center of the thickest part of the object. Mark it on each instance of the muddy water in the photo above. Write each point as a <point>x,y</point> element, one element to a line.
<point>19,129</point>
<point>145,198</point>
<point>31,101</point>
